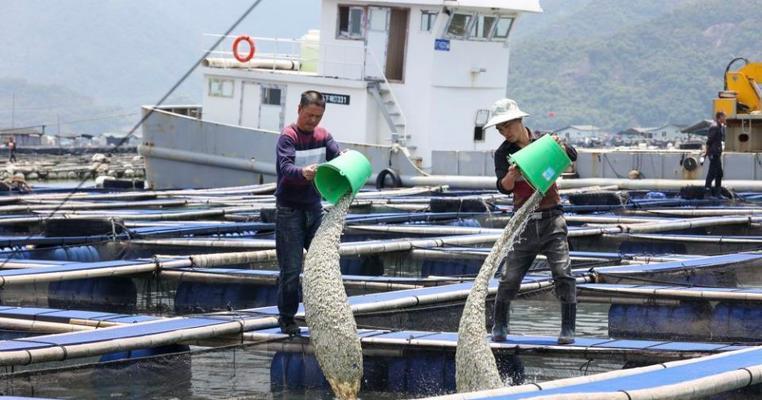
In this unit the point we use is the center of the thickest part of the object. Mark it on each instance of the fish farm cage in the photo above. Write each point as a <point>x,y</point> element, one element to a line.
<point>172,294</point>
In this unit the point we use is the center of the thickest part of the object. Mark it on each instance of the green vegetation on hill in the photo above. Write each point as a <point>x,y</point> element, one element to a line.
<point>658,69</point>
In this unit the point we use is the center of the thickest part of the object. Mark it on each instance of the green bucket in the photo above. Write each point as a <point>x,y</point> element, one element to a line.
<point>541,163</point>
<point>344,174</point>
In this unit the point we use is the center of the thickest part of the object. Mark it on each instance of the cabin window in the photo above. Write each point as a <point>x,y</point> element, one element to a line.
<point>457,27</point>
<point>271,96</point>
<point>503,28</point>
<point>478,134</point>
<point>221,87</point>
<point>481,118</point>
<point>428,19</point>
<point>482,26</point>
<point>351,22</point>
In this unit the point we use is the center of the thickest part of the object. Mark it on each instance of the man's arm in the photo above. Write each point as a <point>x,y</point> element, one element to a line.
<point>506,176</point>
<point>332,149</point>
<point>286,154</point>
<point>713,136</point>
<point>570,151</point>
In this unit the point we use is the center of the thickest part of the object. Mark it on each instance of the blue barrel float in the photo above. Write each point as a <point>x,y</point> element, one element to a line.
<point>691,320</point>
<point>688,320</point>
<point>113,294</point>
<point>415,373</point>
<point>199,297</point>
<point>737,321</point>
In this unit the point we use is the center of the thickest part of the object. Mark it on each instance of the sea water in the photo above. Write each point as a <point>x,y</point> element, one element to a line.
<point>243,372</point>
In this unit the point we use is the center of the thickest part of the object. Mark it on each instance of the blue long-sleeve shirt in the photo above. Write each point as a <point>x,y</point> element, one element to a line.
<point>297,149</point>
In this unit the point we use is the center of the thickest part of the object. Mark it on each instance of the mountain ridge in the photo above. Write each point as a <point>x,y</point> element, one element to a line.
<point>611,64</point>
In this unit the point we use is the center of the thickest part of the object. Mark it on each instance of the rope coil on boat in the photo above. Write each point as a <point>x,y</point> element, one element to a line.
<point>252,48</point>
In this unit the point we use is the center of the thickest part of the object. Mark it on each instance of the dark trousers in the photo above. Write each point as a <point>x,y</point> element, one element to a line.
<point>546,236</point>
<point>12,156</point>
<point>294,230</point>
<point>714,174</point>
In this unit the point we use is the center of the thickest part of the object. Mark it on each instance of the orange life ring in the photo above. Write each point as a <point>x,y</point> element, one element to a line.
<point>252,48</point>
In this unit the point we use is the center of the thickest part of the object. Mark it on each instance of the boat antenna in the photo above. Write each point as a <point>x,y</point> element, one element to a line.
<point>131,133</point>
<point>725,76</point>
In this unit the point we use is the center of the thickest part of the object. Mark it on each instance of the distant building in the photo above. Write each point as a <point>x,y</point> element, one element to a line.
<point>24,137</point>
<point>118,138</point>
<point>582,135</point>
<point>700,128</point>
<point>670,133</point>
<point>72,140</point>
<point>632,136</point>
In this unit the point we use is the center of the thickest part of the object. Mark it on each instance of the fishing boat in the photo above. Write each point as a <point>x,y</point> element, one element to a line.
<point>407,82</point>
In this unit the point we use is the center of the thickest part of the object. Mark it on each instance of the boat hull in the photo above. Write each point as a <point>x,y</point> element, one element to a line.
<point>186,152</point>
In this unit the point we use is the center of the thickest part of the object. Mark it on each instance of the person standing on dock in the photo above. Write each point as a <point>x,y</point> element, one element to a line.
<point>545,233</point>
<point>11,149</point>
<point>301,147</point>
<point>715,137</point>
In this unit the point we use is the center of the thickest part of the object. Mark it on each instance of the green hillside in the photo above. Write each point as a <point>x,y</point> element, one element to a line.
<point>659,69</point>
<point>609,63</point>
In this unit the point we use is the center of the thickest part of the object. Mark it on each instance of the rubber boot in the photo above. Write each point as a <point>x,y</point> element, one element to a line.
<point>568,322</point>
<point>289,327</point>
<point>501,317</point>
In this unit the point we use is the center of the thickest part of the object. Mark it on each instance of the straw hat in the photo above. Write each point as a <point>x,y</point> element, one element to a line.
<point>504,110</point>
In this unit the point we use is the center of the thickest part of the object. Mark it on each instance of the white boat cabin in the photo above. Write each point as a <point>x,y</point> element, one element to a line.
<point>420,73</point>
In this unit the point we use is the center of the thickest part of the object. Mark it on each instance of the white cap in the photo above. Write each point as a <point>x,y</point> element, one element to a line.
<point>504,110</point>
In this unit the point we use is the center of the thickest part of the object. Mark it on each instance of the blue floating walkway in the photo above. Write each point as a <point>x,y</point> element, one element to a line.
<point>587,347</point>
<point>694,263</point>
<point>67,316</point>
<point>697,378</point>
<point>680,292</point>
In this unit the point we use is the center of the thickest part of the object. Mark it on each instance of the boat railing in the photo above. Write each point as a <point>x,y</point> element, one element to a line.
<point>264,47</point>
<point>193,111</point>
<point>337,60</point>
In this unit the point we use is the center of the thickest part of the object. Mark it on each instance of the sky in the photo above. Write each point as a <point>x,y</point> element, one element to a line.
<point>60,62</point>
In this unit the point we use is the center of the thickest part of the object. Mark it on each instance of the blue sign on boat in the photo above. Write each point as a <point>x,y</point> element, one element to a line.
<point>442,44</point>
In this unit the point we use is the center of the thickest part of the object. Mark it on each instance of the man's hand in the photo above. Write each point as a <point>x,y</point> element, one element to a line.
<point>559,140</point>
<point>309,172</point>
<point>509,180</point>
